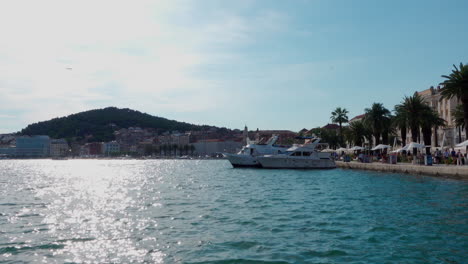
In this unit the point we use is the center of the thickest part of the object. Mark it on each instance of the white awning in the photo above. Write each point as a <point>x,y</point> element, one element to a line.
<point>356,148</point>
<point>463,144</point>
<point>381,146</point>
<point>328,150</point>
<point>415,145</point>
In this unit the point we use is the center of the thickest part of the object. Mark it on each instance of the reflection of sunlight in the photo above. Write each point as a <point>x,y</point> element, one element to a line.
<point>91,210</point>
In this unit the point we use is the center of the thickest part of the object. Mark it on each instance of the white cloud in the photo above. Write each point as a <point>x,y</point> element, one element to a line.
<point>121,53</point>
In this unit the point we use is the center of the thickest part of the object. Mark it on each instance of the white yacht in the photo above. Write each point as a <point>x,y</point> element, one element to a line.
<point>303,156</point>
<point>247,157</point>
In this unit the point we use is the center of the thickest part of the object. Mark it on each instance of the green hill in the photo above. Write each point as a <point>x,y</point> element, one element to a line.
<point>101,123</point>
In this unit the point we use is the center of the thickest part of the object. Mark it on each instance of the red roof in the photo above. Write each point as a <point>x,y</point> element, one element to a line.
<point>331,126</point>
<point>358,117</point>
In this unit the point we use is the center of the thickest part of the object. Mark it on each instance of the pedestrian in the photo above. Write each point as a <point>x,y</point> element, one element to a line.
<point>459,158</point>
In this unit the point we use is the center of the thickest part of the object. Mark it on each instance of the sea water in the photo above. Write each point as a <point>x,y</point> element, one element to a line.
<point>204,211</point>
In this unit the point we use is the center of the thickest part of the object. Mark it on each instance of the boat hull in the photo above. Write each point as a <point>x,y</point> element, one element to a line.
<point>242,161</point>
<point>295,163</point>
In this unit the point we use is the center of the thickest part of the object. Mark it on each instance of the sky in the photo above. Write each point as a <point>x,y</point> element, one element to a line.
<point>265,64</point>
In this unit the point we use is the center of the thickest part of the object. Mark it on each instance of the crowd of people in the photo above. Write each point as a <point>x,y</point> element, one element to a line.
<point>455,156</point>
<point>446,156</point>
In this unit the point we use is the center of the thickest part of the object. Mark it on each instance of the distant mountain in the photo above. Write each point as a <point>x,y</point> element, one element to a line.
<point>101,124</point>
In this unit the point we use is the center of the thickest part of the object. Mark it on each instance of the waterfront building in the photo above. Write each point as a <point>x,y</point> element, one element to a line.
<point>59,148</point>
<point>212,147</point>
<point>448,136</point>
<point>92,149</point>
<point>129,138</point>
<point>334,127</point>
<point>174,139</point>
<point>357,118</point>
<point>285,136</point>
<point>33,146</point>
<point>366,141</point>
<point>7,152</point>
<point>303,131</point>
<point>111,147</point>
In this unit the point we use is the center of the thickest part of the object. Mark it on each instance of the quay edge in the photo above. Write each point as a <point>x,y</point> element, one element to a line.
<point>443,171</point>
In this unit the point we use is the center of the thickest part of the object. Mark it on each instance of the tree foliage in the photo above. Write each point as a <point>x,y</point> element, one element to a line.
<point>100,124</point>
<point>456,85</point>
<point>340,116</point>
<point>377,119</point>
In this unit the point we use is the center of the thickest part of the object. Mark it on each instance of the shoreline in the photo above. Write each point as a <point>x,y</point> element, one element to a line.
<point>440,171</point>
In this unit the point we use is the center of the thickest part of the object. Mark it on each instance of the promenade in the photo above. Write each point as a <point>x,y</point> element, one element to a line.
<point>444,171</point>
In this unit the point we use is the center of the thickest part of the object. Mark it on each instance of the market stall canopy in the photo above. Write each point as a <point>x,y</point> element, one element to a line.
<point>463,144</point>
<point>328,150</point>
<point>381,146</point>
<point>356,148</point>
<point>398,150</point>
<point>341,149</point>
<point>415,145</point>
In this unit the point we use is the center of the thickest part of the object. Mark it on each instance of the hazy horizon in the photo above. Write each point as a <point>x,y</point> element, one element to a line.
<point>264,64</point>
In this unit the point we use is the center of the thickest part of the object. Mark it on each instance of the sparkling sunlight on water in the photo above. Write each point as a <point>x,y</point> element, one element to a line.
<point>175,211</point>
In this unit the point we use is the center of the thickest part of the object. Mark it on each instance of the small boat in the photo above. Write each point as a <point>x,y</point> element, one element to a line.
<point>247,156</point>
<point>303,156</point>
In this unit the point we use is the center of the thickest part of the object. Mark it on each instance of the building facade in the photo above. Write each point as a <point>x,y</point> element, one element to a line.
<point>447,136</point>
<point>111,147</point>
<point>286,137</point>
<point>92,149</point>
<point>59,148</point>
<point>212,147</point>
<point>33,146</point>
<point>7,152</point>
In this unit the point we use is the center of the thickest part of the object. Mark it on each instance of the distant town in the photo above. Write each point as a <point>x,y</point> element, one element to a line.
<point>211,141</point>
<point>136,141</point>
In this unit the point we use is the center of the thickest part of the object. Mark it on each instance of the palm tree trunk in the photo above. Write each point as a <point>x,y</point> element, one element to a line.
<point>459,134</point>
<point>464,100</point>
<point>377,138</point>
<point>427,136</point>
<point>414,138</point>
<point>414,134</point>
<point>436,140</point>
<point>341,134</point>
<point>403,135</point>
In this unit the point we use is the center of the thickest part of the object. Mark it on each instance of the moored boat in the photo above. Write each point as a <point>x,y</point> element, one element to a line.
<point>303,156</point>
<point>247,156</point>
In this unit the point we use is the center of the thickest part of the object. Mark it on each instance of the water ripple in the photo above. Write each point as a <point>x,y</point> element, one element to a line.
<point>169,211</point>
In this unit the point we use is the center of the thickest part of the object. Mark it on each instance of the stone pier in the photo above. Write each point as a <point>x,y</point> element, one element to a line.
<point>444,171</point>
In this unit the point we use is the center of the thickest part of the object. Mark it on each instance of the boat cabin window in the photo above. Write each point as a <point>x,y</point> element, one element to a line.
<point>306,154</point>
<point>296,154</point>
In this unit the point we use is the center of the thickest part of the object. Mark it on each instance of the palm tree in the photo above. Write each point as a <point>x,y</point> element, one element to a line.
<point>412,109</point>
<point>430,119</point>
<point>358,132</point>
<point>328,136</point>
<point>459,120</point>
<point>387,129</point>
<point>400,121</point>
<point>456,85</point>
<point>377,119</point>
<point>340,116</point>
